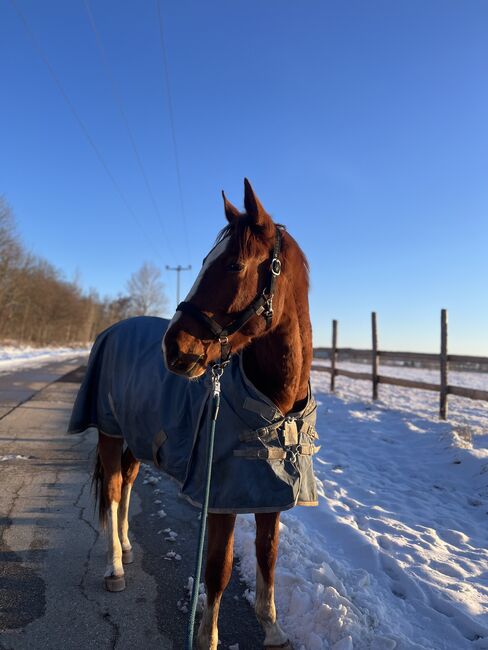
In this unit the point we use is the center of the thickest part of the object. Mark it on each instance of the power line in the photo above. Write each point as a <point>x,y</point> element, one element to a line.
<point>43,56</point>
<point>167,86</point>
<point>118,101</point>
<point>178,270</point>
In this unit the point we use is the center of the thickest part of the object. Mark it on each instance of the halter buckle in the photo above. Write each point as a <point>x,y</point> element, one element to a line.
<point>268,309</point>
<point>275,266</point>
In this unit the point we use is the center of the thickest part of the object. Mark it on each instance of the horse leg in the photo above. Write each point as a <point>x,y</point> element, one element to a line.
<point>267,537</point>
<point>220,554</point>
<point>108,474</point>
<point>130,469</point>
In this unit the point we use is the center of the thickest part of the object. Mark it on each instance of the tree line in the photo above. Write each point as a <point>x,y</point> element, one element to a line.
<point>39,306</point>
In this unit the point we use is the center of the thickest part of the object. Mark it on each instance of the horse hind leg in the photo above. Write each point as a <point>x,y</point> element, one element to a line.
<point>130,469</point>
<point>267,538</point>
<point>108,484</point>
<point>218,569</point>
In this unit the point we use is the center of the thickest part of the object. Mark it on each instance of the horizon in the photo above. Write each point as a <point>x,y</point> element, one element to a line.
<point>363,129</point>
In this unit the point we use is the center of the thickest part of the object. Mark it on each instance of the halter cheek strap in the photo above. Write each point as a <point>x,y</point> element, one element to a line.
<point>261,305</point>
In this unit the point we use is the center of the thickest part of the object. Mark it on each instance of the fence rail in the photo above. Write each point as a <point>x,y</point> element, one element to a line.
<point>374,356</point>
<point>359,354</point>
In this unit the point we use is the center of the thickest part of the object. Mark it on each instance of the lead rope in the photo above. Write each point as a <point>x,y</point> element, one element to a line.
<point>217,371</point>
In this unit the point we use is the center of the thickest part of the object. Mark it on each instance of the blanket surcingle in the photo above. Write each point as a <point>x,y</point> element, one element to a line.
<point>262,459</point>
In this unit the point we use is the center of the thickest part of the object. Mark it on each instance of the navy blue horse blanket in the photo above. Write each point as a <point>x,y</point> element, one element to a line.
<point>262,458</point>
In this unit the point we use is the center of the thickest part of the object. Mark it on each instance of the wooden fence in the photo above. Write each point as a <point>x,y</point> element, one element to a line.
<point>443,359</point>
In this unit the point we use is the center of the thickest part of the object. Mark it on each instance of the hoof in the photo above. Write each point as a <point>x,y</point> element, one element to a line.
<point>114,583</point>
<point>283,646</point>
<point>127,557</point>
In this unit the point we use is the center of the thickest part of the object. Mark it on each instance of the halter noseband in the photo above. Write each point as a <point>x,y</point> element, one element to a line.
<point>261,305</point>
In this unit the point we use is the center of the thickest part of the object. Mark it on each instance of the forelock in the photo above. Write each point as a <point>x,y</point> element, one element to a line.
<point>249,240</point>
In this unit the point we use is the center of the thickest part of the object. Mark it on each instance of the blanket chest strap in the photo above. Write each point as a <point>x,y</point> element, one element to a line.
<point>275,453</point>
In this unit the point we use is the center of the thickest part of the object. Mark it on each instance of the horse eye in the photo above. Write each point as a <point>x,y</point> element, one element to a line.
<point>236,267</point>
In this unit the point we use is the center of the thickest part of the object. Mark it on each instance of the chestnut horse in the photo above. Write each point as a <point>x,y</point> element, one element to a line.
<point>276,358</point>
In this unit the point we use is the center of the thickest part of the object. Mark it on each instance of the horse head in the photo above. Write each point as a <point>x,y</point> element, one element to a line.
<point>234,299</point>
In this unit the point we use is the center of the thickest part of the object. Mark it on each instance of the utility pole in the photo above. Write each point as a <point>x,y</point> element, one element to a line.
<point>178,270</point>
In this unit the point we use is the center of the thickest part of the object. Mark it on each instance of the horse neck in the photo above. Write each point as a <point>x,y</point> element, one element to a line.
<point>279,362</point>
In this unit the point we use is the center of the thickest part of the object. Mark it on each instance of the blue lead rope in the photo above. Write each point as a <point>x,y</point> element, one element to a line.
<point>216,374</point>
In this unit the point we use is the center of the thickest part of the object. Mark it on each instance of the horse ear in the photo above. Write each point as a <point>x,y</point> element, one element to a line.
<point>231,212</point>
<point>254,208</point>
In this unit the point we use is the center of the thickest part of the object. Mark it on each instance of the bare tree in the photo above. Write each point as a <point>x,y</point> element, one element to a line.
<point>146,291</point>
<point>39,306</point>
<point>10,249</point>
<point>11,255</point>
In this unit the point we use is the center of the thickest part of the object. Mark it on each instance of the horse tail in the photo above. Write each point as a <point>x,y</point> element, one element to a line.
<point>98,491</point>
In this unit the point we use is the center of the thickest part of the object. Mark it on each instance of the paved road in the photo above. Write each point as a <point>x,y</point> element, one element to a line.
<point>51,554</point>
<point>18,386</point>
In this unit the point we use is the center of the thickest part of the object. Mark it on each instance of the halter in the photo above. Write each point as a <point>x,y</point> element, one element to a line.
<point>261,305</point>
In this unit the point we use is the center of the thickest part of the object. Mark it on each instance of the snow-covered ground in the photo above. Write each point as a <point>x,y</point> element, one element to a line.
<point>468,418</point>
<point>17,357</point>
<point>395,554</point>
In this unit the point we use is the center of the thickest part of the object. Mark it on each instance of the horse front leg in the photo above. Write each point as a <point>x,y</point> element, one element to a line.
<point>130,470</point>
<point>267,538</point>
<point>220,555</point>
<point>108,476</point>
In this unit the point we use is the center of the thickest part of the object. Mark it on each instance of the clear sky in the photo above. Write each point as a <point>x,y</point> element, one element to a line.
<point>361,124</point>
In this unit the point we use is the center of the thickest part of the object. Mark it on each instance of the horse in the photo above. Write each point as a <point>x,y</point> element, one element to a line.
<point>248,309</point>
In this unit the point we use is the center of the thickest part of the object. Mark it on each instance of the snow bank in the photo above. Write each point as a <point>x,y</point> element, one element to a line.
<point>16,357</point>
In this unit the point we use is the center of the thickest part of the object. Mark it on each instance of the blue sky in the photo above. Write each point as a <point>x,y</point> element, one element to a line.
<point>361,124</point>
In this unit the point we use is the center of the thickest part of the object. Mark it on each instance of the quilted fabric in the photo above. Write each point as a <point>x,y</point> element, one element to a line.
<point>262,459</point>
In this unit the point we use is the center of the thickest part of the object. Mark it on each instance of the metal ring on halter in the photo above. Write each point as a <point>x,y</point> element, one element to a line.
<point>275,266</point>
<point>292,455</point>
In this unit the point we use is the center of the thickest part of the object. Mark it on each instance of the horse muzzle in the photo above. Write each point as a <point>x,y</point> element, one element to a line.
<point>188,364</point>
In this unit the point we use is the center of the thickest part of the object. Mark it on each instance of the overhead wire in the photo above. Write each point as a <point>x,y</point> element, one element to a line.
<point>167,88</point>
<point>118,101</point>
<point>44,58</point>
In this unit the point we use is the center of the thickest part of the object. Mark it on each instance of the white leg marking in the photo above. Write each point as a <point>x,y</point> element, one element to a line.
<point>114,555</point>
<point>266,611</point>
<point>123,516</point>
<point>208,633</point>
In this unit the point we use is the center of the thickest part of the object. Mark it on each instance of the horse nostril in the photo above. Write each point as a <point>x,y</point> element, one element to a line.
<point>172,351</point>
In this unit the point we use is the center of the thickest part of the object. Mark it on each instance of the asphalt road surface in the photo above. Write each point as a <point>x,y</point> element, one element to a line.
<point>52,556</point>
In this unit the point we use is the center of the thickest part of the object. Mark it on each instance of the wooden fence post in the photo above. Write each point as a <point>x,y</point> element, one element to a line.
<point>333,356</point>
<point>374,356</point>
<point>443,366</point>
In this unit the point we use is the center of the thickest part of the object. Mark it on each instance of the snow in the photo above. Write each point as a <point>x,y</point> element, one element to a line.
<point>469,418</point>
<point>395,554</point>
<point>17,357</point>
<point>172,555</point>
